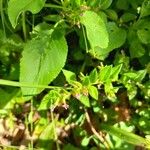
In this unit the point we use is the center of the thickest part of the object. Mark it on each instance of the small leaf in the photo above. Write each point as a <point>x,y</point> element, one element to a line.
<point>145,9</point>
<point>143,35</point>
<point>70,76</point>
<point>84,100</point>
<point>115,72</point>
<point>105,73</point>
<point>105,4</point>
<point>95,29</point>
<point>16,7</point>
<point>85,141</point>
<point>136,49</point>
<point>43,58</point>
<point>126,17</point>
<point>112,14</point>
<point>93,92</point>
<point>48,100</point>
<point>93,76</point>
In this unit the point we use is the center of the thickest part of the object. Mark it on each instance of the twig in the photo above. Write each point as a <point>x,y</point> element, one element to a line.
<point>95,132</point>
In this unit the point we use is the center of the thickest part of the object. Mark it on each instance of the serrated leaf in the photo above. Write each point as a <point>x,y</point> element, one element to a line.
<point>84,100</point>
<point>95,29</point>
<point>93,91</point>
<point>16,7</point>
<point>117,37</point>
<point>42,59</point>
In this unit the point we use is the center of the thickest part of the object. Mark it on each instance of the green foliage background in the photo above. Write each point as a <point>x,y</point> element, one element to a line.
<point>82,67</point>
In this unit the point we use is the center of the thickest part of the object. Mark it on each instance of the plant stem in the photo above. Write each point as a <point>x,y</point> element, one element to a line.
<point>53,6</point>
<point>24,25</point>
<point>95,132</point>
<point>28,85</point>
<point>54,128</point>
<point>2,17</point>
<point>85,39</point>
<point>31,124</point>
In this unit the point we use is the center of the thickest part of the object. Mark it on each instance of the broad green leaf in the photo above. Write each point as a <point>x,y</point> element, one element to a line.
<point>95,29</point>
<point>93,91</point>
<point>42,59</point>
<point>70,76</point>
<point>105,73</point>
<point>16,7</point>
<point>145,9</point>
<point>117,37</point>
<point>84,100</point>
<point>126,136</point>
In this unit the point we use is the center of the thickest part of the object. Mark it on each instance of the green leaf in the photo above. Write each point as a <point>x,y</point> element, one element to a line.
<point>85,141</point>
<point>105,73</point>
<point>95,29</point>
<point>42,59</point>
<point>145,9</point>
<point>112,14</point>
<point>84,100</point>
<point>115,72</point>
<point>117,37</point>
<point>143,35</point>
<point>93,92</point>
<point>16,7</point>
<point>110,91</point>
<point>136,76</point>
<point>136,49</point>
<point>105,4</point>
<point>93,76</point>
<point>122,4</point>
<point>46,137</point>
<point>70,76</point>
<point>48,100</point>
<point>126,17</point>
<point>126,136</point>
